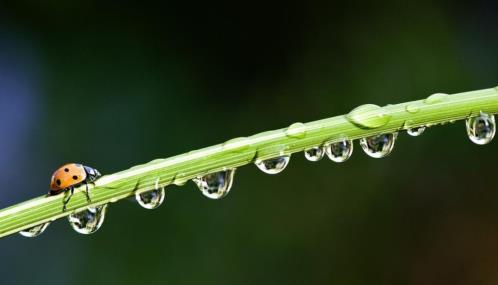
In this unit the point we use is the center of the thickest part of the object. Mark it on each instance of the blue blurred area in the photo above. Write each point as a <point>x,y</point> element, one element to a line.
<point>117,84</point>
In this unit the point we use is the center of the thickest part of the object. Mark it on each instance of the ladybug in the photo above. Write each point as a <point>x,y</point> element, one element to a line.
<point>69,176</point>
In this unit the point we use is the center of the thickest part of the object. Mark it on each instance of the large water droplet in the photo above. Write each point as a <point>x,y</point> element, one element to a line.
<point>378,146</point>
<point>273,165</point>
<point>436,98</point>
<point>415,132</point>
<point>34,231</point>
<point>89,220</point>
<point>215,185</point>
<point>296,130</point>
<point>314,154</point>
<point>481,129</point>
<point>151,199</point>
<point>339,151</point>
<point>368,116</point>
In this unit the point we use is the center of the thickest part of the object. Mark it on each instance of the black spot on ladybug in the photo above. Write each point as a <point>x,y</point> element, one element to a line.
<point>66,169</point>
<point>58,181</point>
<point>75,177</point>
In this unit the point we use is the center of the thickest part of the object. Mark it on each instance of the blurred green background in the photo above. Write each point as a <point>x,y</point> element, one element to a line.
<point>117,84</point>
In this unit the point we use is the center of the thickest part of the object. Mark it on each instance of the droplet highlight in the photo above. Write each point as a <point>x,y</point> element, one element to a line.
<point>415,132</point>
<point>215,185</point>
<point>89,220</point>
<point>339,151</point>
<point>378,146</point>
<point>273,165</point>
<point>34,231</point>
<point>296,130</point>
<point>314,154</point>
<point>368,116</point>
<point>481,129</point>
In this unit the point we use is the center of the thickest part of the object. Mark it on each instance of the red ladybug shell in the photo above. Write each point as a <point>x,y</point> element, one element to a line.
<point>66,176</point>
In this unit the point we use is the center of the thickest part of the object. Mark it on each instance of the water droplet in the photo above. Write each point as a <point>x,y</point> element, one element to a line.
<point>415,132</point>
<point>296,130</point>
<point>379,145</point>
<point>89,220</point>
<point>215,185</point>
<point>34,231</point>
<point>436,98</point>
<point>412,109</point>
<point>368,116</point>
<point>151,199</point>
<point>237,144</point>
<point>273,165</point>
<point>314,154</point>
<point>339,151</point>
<point>481,129</point>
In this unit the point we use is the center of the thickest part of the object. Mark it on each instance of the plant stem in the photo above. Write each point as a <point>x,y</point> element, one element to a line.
<point>362,122</point>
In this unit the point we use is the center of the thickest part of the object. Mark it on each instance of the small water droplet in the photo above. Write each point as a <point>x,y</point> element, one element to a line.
<point>378,146</point>
<point>412,109</point>
<point>415,132</point>
<point>273,165</point>
<point>314,154</point>
<point>34,231</point>
<point>481,129</point>
<point>436,98</point>
<point>237,144</point>
<point>339,151</point>
<point>368,116</point>
<point>89,220</point>
<point>215,185</point>
<point>151,199</point>
<point>296,130</point>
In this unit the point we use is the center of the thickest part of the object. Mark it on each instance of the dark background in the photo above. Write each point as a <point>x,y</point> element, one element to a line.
<point>117,84</point>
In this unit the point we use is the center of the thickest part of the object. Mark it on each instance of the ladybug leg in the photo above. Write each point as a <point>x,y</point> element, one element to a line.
<point>66,200</point>
<point>87,193</point>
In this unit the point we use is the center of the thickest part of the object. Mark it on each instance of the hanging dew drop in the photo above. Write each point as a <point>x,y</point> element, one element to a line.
<point>314,154</point>
<point>88,221</point>
<point>215,185</point>
<point>339,151</point>
<point>481,129</point>
<point>151,199</point>
<point>415,132</point>
<point>273,165</point>
<point>378,146</point>
<point>34,231</point>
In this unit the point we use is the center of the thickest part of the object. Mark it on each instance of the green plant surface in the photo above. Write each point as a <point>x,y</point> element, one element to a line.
<point>363,121</point>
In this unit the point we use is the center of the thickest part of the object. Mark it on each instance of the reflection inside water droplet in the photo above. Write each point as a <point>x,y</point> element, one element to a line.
<point>314,154</point>
<point>339,151</point>
<point>215,185</point>
<point>34,231</point>
<point>415,132</point>
<point>273,165</point>
<point>481,129</point>
<point>378,146</point>
<point>89,220</point>
<point>151,199</point>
